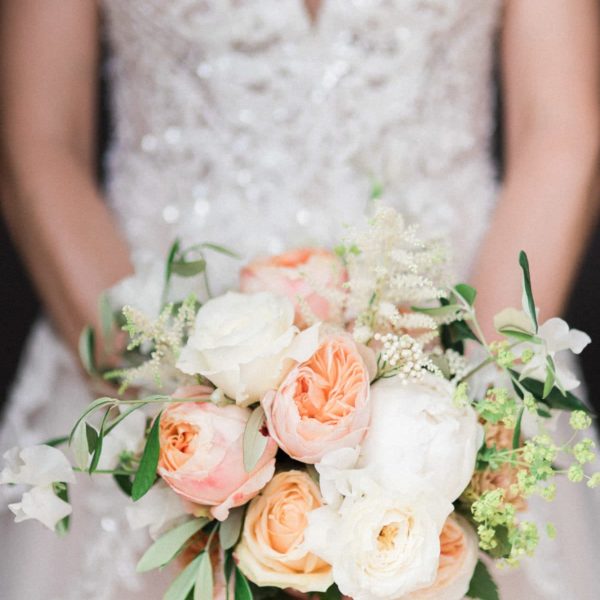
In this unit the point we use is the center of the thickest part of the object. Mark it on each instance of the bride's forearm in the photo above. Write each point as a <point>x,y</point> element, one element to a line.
<point>64,232</point>
<point>547,207</point>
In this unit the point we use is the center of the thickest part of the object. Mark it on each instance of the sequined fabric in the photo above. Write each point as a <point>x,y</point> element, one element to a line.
<point>243,122</point>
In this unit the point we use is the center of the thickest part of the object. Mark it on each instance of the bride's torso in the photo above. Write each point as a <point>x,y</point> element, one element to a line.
<point>244,123</point>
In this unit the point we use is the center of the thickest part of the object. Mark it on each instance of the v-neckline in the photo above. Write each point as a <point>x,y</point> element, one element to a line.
<point>312,10</point>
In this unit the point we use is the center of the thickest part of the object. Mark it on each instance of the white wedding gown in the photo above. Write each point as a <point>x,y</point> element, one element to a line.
<point>243,123</point>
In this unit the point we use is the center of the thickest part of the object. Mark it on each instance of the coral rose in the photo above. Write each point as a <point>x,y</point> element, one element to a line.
<point>323,404</point>
<point>201,456</point>
<point>458,558</point>
<point>310,278</point>
<point>271,551</point>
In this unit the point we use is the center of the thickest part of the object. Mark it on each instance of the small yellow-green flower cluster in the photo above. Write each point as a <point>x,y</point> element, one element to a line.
<point>498,406</point>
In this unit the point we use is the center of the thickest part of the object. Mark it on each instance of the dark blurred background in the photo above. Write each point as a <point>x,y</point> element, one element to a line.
<point>19,304</point>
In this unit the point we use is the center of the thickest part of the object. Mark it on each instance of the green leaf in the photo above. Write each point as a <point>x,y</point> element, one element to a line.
<point>92,407</point>
<point>62,491</point>
<point>554,399</point>
<point>516,441</point>
<point>184,582</point>
<point>221,250</point>
<point>107,318</point>
<point>454,334</point>
<point>173,251</point>
<point>188,268</point>
<point>57,441</point>
<point>524,262</point>
<point>518,334</point>
<point>124,482</point>
<point>466,292</point>
<point>92,437</point>
<point>254,442</point>
<point>242,587</point>
<point>332,593</point>
<point>228,565</point>
<point>87,342</point>
<point>203,590</point>
<point>166,547</point>
<point>79,445</point>
<point>548,383</point>
<point>98,448</point>
<point>146,473</point>
<point>482,585</point>
<point>230,529</point>
<point>440,311</point>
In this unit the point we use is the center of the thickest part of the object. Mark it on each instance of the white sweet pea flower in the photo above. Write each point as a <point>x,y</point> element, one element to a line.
<point>245,344</point>
<point>40,467</point>
<point>37,466</point>
<point>556,340</point>
<point>380,543</point>
<point>42,504</point>
<point>159,510</point>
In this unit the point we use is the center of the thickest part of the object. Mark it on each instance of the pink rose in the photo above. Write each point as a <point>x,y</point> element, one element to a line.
<point>201,455</point>
<point>309,277</point>
<point>323,404</point>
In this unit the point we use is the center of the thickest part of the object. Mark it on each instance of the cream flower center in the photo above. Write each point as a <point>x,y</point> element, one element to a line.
<point>387,536</point>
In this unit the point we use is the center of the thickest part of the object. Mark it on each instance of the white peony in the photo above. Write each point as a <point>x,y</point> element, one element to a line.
<point>416,428</point>
<point>40,467</point>
<point>246,343</point>
<point>381,543</point>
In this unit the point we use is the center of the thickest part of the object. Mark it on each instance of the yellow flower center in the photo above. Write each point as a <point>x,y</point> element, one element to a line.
<point>387,536</point>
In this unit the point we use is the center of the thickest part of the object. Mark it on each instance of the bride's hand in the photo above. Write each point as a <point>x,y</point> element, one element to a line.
<point>57,218</point>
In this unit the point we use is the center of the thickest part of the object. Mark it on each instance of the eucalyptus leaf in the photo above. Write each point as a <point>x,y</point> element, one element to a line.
<point>107,318</point>
<point>166,547</point>
<point>254,442</point>
<point>98,449</point>
<point>466,292</point>
<point>146,473</point>
<point>439,311</point>
<point>221,250</point>
<point>203,590</point>
<point>242,587</point>
<point>79,445</point>
<point>188,268</point>
<point>482,585</point>
<point>87,343</point>
<point>230,529</point>
<point>516,441</point>
<point>184,582</point>
<point>524,262</point>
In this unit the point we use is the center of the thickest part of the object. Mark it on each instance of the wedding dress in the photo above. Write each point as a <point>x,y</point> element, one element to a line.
<point>251,125</point>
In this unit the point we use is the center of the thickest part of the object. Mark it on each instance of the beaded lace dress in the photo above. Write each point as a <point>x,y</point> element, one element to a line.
<point>249,124</point>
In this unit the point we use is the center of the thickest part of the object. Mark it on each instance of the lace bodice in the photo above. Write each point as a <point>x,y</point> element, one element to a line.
<point>244,123</point>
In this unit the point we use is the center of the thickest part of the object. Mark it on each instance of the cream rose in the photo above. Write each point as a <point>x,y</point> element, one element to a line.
<point>323,403</point>
<point>458,557</point>
<point>201,456</point>
<point>246,343</point>
<point>271,551</point>
<point>381,543</point>
<point>416,428</point>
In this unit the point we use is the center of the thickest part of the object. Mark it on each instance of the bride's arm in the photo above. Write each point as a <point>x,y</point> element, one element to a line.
<point>548,206</point>
<point>48,57</point>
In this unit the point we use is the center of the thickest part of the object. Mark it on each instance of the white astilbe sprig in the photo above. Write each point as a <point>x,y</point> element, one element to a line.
<point>161,340</point>
<point>402,356</point>
<point>390,266</point>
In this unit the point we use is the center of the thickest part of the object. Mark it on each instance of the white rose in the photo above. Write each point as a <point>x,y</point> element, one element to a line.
<point>380,543</point>
<point>416,428</point>
<point>40,467</point>
<point>246,343</point>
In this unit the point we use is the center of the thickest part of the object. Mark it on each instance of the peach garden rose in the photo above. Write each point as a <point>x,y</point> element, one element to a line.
<point>307,275</point>
<point>201,455</point>
<point>271,550</point>
<point>323,404</point>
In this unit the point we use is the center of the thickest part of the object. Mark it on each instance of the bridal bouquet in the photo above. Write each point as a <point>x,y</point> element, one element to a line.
<point>320,430</point>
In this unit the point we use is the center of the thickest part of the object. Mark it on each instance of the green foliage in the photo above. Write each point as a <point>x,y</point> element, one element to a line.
<point>482,586</point>
<point>242,587</point>
<point>254,442</point>
<point>203,589</point>
<point>168,546</point>
<point>230,529</point>
<point>524,262</point>
<point>62,491</point>
<point>87,344</point>
<point>146,473</point>
<point>184,582</point>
